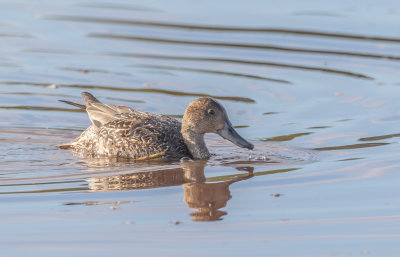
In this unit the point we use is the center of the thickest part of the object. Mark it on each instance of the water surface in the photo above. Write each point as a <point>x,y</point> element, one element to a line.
<point>314,85</point>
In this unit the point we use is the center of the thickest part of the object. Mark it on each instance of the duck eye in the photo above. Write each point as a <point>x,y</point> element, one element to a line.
<point>211,111</point>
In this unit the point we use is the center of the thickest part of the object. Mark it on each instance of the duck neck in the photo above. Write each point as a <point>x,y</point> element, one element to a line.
<point>195,143</point>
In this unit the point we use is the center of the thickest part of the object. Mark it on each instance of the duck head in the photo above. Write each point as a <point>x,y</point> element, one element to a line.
<point>206,115</point>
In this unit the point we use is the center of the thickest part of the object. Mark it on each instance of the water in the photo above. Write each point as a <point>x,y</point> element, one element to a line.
<point>314,85</point>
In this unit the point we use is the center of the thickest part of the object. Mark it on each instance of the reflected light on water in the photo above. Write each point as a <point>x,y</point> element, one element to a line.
<point>313,85</point>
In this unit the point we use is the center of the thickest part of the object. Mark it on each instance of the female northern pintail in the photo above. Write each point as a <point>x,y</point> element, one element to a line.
<point>120,131</point>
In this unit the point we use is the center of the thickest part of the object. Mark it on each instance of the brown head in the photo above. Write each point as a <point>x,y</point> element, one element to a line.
<point>206,115</point>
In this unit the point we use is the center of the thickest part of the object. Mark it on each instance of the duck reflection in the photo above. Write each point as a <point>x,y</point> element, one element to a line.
<point>207,198</point>
<point>199,193</point>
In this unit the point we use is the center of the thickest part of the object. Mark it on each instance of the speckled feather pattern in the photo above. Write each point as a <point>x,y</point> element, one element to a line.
<point>119,131</point>
<point>123,132</point>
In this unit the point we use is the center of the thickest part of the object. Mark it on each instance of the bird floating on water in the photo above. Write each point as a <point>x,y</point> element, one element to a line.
<point>120,131</point>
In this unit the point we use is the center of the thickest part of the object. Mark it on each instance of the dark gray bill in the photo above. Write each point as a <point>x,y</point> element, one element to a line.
<point>229,133</point>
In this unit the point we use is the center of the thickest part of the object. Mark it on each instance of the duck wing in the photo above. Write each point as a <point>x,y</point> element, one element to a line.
<point>140,135</point>
<point>101,114</point>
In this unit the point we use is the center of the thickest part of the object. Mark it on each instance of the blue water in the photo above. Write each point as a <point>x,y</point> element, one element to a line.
<point>314,85</point>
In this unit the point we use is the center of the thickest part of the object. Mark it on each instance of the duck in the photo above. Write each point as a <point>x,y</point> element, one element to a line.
<point>120,131</point>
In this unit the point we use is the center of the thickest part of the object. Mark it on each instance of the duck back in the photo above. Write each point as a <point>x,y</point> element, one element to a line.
<point>120,131</point>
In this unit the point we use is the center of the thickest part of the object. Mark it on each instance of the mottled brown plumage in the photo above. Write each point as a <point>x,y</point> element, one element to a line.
<point>120,131</point>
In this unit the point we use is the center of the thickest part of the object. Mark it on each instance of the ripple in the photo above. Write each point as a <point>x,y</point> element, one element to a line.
<point>118,6</point>
<point>40,108</point>
<point>246,62</point>
<point>241,45</point>
<point>143,90</point>
<point>16,35</point>
<point>224,28</point>
<point>287,137</point>
<point>377,138</point>
<point>264,154</point>
<point>86,71</point>
<point>353,146</point>
<point>233,74</point>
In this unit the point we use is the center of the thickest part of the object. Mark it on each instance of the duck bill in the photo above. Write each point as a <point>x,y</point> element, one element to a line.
<point>229,133</point>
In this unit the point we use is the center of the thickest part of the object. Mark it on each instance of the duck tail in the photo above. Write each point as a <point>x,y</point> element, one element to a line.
<point>80,106</point>
<point>65,146</point>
